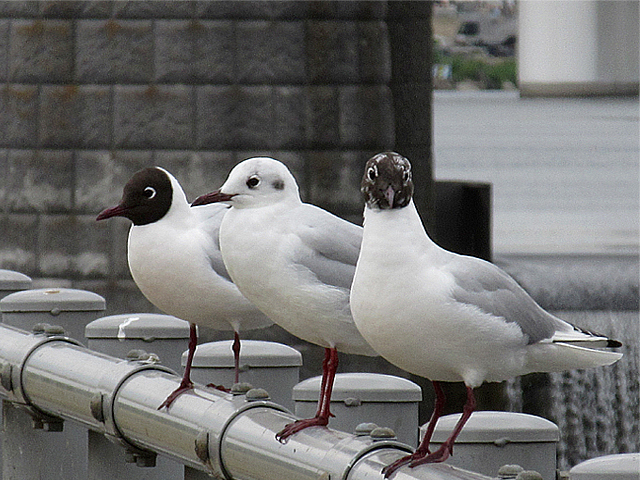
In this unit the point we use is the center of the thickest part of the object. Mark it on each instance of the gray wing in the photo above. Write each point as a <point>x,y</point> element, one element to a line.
<point>487,287</point>
<point>333,246</point>
<point>210,217</point>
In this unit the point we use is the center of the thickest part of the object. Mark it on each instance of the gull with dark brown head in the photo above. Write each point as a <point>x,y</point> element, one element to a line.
<point>174,258</point>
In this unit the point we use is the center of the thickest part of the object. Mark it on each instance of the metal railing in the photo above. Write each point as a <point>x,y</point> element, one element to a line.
<point>228,436</point>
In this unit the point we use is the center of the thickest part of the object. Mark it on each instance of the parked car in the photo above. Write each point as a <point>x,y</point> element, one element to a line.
<point>497,34</point>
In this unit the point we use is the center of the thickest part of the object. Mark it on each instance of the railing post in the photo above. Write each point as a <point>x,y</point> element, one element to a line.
<point>34,445</point>
<point>359,399</point>
<point>272,366</point>
<point>492,439</point>
<point>69,308</point>
<point>10,282</point>
<point>129,335</point>
<point>621,466</point>
<point>116,335</point>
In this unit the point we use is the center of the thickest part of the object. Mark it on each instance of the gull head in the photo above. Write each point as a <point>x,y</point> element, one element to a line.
<point>386,183</point>
<point>255,182</point>
<point>147,197</point>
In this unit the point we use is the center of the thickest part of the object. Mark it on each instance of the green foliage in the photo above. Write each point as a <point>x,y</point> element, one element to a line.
<point>463,68</point>
<point>491,71</point>
<point>500,72</point>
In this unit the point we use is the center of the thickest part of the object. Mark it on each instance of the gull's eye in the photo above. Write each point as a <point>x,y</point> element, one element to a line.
<point>406,176</point>
<point>253,181</point>
<point>372,173</point>
<point>149,192</point>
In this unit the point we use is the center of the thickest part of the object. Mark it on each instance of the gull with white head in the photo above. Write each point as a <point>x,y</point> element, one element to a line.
<point>294,261</point>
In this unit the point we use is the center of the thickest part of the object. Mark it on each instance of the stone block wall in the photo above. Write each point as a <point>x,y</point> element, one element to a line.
<point>92,91</point>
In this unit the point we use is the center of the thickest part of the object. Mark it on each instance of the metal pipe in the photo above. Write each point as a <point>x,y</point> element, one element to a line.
<point>228,436</point>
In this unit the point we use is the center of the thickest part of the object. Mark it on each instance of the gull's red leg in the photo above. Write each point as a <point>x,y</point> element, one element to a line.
<point>328,371</point>
<point>446,448</point>
<point>329,367</point>
<point>438,409</point>
<point>423,448</point>
<point>186,383</point>
<point>236,355</point>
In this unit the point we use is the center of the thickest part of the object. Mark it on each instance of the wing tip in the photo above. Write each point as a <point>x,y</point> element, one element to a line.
<point>590,337</point>
<point>613,343</point>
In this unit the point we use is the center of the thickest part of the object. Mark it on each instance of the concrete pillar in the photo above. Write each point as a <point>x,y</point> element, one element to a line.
<point>361,398</point>
<point>164,335</point>
<point>32,444</point>
<point>490,440</point>
<point>581,47</point>
<point>10,282</point>
<point>69,308</point>
<point>116,335</point>
<point>411,39</point>
<point>624,466</point>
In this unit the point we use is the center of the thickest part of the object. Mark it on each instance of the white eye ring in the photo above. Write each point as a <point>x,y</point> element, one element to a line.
<point>253,181</point>
<point>372,173</point>
<point>150,192</point>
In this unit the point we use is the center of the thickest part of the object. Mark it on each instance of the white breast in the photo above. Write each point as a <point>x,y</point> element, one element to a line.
<point>171,267</point>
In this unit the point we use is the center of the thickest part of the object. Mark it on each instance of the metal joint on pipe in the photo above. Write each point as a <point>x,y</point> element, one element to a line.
<point>354,450</point>
<point>249,450</point>
<point>103,400</point>
<point>17,350</point>
<point>242,407</point>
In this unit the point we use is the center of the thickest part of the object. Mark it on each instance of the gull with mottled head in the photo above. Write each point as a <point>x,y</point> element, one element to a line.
<point>449,317</point>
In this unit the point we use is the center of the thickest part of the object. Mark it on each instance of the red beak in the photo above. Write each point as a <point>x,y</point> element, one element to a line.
<point>117,211</point>
<point>213,197</point>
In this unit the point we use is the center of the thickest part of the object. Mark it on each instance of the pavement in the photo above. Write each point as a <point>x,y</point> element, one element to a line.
<point>564,171</point>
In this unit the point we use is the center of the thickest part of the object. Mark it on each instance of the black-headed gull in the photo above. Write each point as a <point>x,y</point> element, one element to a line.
<point>174,258</point>
<point>294,261</point>
<point>449,317</point>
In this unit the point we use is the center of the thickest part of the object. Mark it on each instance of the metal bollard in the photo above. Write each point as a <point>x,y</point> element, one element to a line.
<point>624,466</point>
<point>463,222</point>
<point>10,282</point>
<point>271,366</point>
<point>116,335</point>
<point>365,398</point>
<point>490,440</point>
<point>71,309</point>
<point>33,443</point>
<point>129,336</point>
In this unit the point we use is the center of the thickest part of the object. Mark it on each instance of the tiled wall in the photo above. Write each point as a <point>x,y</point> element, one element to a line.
<point>91,91</point>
